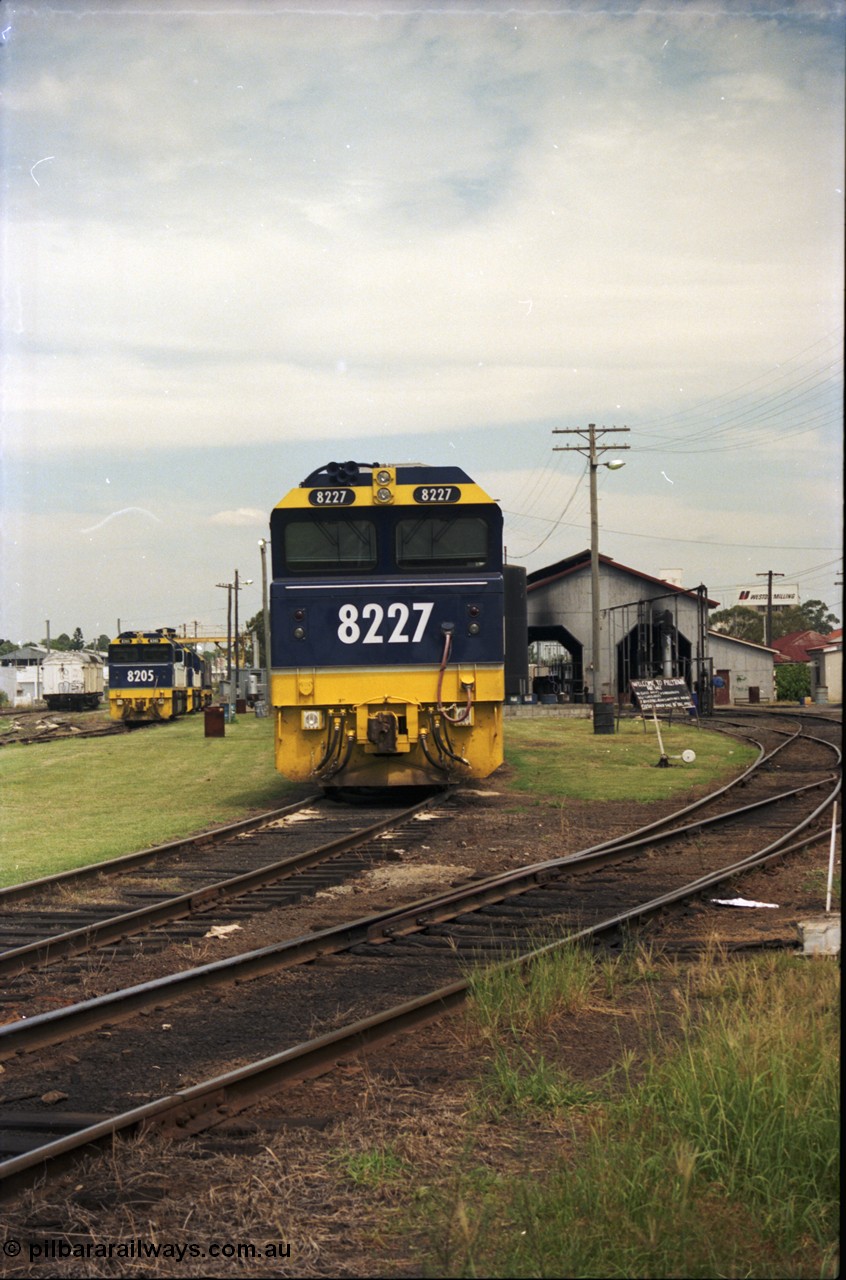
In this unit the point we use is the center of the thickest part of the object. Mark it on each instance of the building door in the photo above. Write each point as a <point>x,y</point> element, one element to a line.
<point>722,696</point>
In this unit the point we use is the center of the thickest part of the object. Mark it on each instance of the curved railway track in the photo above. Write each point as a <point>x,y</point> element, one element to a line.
<point>376,975</point>
<point>268,861</point>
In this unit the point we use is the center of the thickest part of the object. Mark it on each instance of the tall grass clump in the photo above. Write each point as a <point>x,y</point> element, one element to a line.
<point>514,1006</point>
<point>518,998</point>
<point>721,1160</point>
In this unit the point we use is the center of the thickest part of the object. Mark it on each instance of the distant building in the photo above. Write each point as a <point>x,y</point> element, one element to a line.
<point>822,654</point>
<point>650,627</point>
<point>746,670</point>
<point>20,674</point>
<point>795,646</point>
<point>757,597</point>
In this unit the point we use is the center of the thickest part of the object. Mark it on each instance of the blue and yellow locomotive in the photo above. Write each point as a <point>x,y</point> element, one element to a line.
<point>153,675</point>
<point>387,627</point>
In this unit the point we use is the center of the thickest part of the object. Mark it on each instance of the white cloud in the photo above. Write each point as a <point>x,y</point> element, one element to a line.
<point>243,516</point>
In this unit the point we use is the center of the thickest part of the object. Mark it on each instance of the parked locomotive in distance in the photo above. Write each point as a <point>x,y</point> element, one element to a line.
<point>153,675</point>
<point>386,606</point>
<point>72,680</point>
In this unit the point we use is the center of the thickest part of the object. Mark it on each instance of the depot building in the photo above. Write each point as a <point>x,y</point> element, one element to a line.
<point>649,627</point>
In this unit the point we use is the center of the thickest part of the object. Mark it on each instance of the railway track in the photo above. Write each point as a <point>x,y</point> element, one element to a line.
<point>269,861</point>
<point>26,726</point>
<point>216,878</point>
<point>370,977</point>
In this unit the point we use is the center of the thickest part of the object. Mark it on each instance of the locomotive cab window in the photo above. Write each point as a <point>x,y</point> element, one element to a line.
<point>136,654</point>
<point>442,541</point>
<point>316,546</point>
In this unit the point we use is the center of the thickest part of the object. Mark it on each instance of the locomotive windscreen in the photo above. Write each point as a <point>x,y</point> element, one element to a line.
<point>324,545</point>
<point>448,542</point>
<point>141,653</point>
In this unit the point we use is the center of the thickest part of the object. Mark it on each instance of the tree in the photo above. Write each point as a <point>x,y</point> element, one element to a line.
<point>7,646</point>
<point>78,641</point>
<point>62,642</point>
<point>793,681</point>
<point>103,643</point>
<point>813,615</point>
<point>741,622</point>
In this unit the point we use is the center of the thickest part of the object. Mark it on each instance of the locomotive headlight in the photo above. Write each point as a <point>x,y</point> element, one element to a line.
<point>383,477</point>
<point>473,629</point>
<point>383,495</point>
<point>299,633</point>
<point>312,719</point>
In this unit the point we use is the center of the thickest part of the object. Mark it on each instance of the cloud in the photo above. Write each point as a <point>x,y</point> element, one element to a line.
<point>242,516</point>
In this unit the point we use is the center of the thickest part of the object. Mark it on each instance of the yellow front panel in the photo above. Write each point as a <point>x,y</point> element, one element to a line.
<point>411,695</point>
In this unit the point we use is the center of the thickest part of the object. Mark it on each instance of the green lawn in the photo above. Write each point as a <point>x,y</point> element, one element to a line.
<point>553,758</point>
<point>68,803</point>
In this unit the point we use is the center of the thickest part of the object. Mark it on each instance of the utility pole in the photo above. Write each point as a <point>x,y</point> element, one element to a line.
<point>591,450</point>
<point>227,586</point>
<point>769,575</point>
<point>266,618</point>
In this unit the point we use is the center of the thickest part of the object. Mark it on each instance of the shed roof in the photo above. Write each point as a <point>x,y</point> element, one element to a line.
<point>28,653</point>
<point>572,564</point>
<point>747,644</point>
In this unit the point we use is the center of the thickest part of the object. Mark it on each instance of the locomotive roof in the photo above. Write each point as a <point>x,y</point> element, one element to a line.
<point>361,473</point>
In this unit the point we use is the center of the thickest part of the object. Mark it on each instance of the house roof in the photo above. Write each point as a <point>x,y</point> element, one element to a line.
<point>573,564</point>
<point>30,653</point>
<point>796,646</point>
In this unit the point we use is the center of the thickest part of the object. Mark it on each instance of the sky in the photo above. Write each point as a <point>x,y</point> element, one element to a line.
<point>241,240</point>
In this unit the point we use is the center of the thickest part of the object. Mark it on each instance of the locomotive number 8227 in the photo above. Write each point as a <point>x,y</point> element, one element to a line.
<point>387,627</point>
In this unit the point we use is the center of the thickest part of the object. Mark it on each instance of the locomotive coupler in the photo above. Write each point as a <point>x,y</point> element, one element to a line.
<point>382,732</point>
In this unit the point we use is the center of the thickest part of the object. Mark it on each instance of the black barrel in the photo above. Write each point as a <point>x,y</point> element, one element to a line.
<point>603,717</point>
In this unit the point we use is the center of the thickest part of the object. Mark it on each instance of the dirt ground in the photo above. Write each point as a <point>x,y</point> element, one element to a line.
<point>347,1171</point>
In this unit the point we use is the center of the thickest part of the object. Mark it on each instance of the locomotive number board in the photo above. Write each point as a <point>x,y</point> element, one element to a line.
<point>661,694</point>
<point>331,497</point>
<point>428,493</point>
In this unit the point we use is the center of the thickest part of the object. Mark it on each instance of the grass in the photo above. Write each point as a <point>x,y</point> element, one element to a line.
<point>720,1159</point>
<point>68,803</point>
<point>515,999</point>
<point>620,766</point>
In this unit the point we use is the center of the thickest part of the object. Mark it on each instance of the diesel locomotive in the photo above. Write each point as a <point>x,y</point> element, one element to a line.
<point>153,675</point>
<point>386,610</point>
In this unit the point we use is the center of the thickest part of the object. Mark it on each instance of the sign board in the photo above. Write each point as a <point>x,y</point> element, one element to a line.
<point>784,597</point>
<point>661,694</point>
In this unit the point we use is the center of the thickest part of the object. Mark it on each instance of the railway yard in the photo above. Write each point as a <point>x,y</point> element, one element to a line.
<point>267,1026</point>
